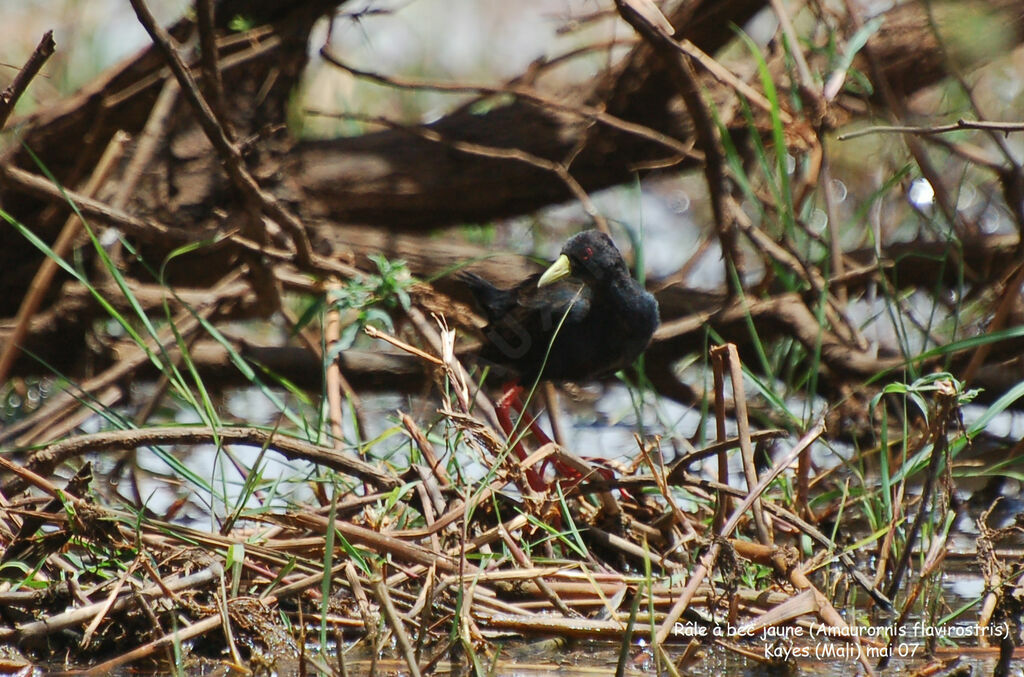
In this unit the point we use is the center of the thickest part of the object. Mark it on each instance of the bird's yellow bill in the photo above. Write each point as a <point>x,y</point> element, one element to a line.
<point>561,268</point>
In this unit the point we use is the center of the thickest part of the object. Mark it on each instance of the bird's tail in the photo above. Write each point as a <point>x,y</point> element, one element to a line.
<point>473,281</point>
<point>493,301</point>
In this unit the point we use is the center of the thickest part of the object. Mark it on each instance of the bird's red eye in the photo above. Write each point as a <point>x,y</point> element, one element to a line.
<point>587,253</point>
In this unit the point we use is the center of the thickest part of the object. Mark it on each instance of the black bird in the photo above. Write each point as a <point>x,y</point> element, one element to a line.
<point>583,318</point>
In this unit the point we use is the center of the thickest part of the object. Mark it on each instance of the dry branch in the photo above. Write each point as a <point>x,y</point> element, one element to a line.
<point>50,457</point>
<point>9,97</point>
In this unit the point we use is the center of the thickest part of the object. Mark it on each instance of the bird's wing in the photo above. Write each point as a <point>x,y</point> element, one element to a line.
<point>569,298</point>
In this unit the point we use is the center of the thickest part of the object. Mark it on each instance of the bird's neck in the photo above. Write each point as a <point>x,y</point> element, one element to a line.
<point>621,289</point>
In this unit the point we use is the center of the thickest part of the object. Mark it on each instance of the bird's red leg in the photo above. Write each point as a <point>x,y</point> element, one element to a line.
<point>510,400</point>
<point>517,403</point>
<point>509,396</point>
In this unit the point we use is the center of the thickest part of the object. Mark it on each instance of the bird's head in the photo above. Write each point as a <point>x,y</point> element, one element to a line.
<point>590,256</point>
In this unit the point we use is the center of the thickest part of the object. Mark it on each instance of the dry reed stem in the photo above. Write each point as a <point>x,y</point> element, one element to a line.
<point>707,561</point>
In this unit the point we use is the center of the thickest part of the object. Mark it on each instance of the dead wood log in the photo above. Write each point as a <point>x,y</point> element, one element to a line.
<point>390,178</point>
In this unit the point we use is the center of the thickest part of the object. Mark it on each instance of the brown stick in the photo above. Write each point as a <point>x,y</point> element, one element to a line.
<point>332,333</point>
<point>289,447</point>
<point>395,621</point>
<point>13,92</point>
<point>746,447</point>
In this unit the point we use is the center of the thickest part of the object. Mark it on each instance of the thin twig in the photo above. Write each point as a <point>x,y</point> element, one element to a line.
<point>147,230</point>
<point>559,169</point>
<point>680,68</point>
<point>929,130</point>
<point>9,97</point>
<point>945,406</point>
<point>525,93</point>
<point>208,60</point>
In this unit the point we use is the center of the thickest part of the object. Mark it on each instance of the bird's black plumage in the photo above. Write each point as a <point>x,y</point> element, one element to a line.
<point>586,308</point>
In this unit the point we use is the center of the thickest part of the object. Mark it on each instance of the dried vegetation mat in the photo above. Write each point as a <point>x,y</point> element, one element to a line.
<point>424,564</point>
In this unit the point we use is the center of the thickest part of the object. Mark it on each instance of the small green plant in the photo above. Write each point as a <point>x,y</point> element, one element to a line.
<point>371,298</point>
<point>756,576</point>
<point>241,24</point>
<point>914,392</point>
